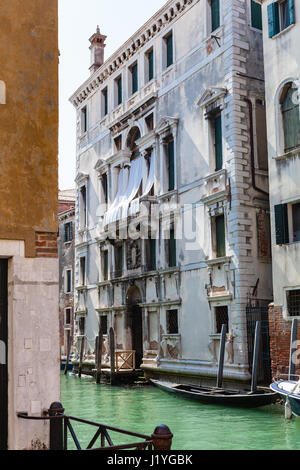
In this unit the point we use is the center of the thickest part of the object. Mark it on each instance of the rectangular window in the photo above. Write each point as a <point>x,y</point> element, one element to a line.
<point>81,326</point>
<point>293,302</point>
<point>105,265</point>
<point>119,91</point>
<point>68,316</point>
<point>82,207</point>
<point>150,122</point>
<point>151,254</point>
<point>104,102</point>
<point>134,78</point>
<point>281,15</point>
<point>150,57</point>
<point>281,224</point>
<point>172,322</point>
<point>68,232</point>
<point>221,314</point>
<point>215,14</point>
<point>171,166</point>
<point>172,248</point>
<point>296,221</point>
<point>118,143</point>
<point>68,285</point>
<point>104,187</point>
<point>82,271</point>
<point>256,15</point>
<point>218,142</point>
<point>220,236</point>
<point>169,50</point>
<point>103,324</point>
<point>118,261</point>
<point>84,120</point>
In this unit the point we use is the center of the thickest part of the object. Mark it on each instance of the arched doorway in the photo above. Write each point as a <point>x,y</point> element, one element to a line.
<point>135,322</point>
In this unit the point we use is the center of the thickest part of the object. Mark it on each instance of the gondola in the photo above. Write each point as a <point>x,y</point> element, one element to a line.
<point>211,395</point>
<point>256,396</point>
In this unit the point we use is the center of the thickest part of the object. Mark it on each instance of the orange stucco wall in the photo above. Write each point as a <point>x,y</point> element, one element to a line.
<point>29,119</point>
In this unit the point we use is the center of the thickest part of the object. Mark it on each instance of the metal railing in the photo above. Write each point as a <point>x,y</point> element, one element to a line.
<point>61,427</point>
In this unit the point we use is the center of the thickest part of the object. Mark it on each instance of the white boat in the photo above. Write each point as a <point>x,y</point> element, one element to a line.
<point>289,390</point>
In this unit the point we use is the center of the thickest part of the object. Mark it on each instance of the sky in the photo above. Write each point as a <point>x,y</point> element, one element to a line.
<point>78,19</point>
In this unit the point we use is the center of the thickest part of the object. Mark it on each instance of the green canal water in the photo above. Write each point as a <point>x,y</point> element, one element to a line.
<point>194,425</point>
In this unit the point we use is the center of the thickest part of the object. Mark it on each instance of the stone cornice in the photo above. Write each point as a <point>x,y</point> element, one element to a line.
<point>162,19</point>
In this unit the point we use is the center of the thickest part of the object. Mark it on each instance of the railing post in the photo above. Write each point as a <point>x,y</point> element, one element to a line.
<point>56,427</point>
<point>162,438</point>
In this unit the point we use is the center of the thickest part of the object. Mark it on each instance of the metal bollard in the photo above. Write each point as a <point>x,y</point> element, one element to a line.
<point>162,438</point>
<point>56,426</point>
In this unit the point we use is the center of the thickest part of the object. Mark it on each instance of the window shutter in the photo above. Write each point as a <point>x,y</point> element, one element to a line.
<point>105,102</point>
<point>281,224</point>
<point>218,143</point>
<point>220,236</point>
<point>71,231</point>
<point>65,233</point>
<point>134,78</point>
<point>169,50</point>
<point>151,63</point>
<point>120,91</point>
<point>171,165</point>
<point>256,15</point>
<point>291,11</point>
<point>172,248</point>
<point>153,253</point>
<point>105,265</point>
<point>273,19</point>
<point>215,14</point>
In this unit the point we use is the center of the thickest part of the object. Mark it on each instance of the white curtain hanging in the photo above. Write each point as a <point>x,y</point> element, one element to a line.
<point>135,204</point>
<point>109,216</point>
<point>135,179</point>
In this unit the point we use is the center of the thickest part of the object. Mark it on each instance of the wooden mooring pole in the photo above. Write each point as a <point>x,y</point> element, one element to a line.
<point>99,345</point>
<point>294,331</point>
<point>256,356</point>
<point>56,426</point>
<point>81,356</point>
<point>221,356</point>
<point>69,344</point>
<point>112,354</point>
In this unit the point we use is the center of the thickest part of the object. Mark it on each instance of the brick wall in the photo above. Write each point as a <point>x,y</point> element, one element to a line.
<point>280,336</point>
<point>46,245</point>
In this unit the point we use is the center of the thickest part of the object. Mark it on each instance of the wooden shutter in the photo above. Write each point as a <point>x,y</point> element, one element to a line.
<point>169,50</point>
<point>291,4</point>
<point>71,231</point>
<point>151,65</point>
<point>273,19</point>
<point>291,120</point>
<point>171,173</point>
<point>120,97</point>
<point>105,97</point>
<point>120,259</point>
<point>215,14</point>
<point>152,253</point>
<point>281,224</point>
<point>134,72</point>
<point>172,248</point>
<point>256,15</point>
<point>218,143</point>
<point>220,236</point>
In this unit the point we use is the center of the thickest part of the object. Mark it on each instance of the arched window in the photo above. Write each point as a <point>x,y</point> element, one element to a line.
<point>133,136</point>
<point>290,117</point>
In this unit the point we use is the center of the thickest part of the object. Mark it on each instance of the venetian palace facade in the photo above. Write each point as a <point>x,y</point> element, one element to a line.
<point>171,140</point>
<point>29,334</point>
<point>282,65</point>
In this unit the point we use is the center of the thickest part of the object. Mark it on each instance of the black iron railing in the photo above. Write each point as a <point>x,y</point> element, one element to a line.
<point>61,427</point>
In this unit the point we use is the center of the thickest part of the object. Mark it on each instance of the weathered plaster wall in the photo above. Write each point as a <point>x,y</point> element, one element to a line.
<point>28,120</point>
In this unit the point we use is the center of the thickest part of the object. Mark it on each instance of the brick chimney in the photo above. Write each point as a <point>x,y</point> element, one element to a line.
<point>97,50</point>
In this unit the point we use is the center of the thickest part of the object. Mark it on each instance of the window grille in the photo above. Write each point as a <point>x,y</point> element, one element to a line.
<point>293,302</point>
<point>221,318</point>
<point>103,324</point>
<point>172,322</point>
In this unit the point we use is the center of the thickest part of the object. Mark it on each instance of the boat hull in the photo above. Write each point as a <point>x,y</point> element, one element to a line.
<point>213,396</point>
<point>293,398</point>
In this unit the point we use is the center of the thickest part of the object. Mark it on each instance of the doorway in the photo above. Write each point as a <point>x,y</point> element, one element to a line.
<point>135,323</point>
<point>3,355</point>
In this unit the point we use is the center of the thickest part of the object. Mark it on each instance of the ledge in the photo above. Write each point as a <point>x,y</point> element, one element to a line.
<point>216,261</point>
<point>289,154</point>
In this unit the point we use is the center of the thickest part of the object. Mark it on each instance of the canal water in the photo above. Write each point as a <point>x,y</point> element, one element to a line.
<point>194,425</point>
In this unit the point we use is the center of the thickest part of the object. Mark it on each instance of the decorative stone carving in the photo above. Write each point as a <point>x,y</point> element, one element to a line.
<point>212,349</point>
<point>229,348</point>
<point>170,347</point>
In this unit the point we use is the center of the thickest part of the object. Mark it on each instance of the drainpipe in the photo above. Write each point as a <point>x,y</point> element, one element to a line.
<point>250,108</point>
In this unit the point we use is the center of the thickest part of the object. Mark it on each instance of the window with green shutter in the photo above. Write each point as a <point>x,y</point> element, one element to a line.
<point>105,101</point>
<point>290,117</point>
<point>150,65</point>
<point>281,224</point>
<point>218,142</point>
<point>256,15</point>
<point>134,74</point>
<point>172,248</point>
<point>281,15</point>
<point>68,232</point>
<point>215,14</point>
<point>169,44</point>
<point>171,169</point>
<point>220,236</point>
<point>119,91</point>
